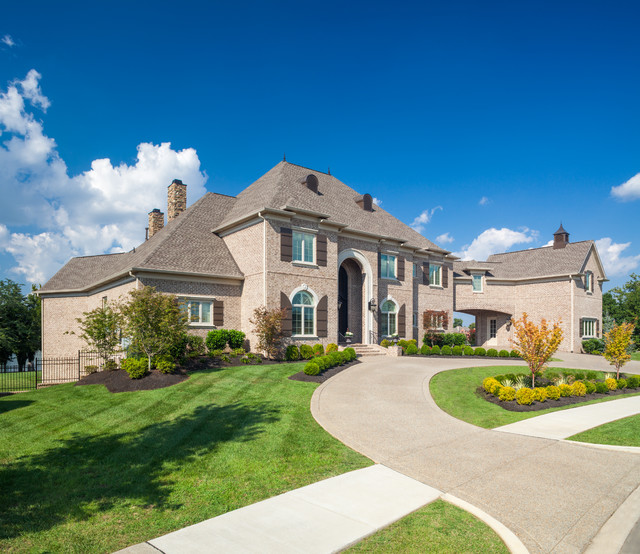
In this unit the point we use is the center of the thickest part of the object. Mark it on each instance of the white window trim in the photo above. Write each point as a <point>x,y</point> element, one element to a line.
<point>481,283</point>
<point>187,301</point>
<point>395,266</point>
<point>592,322</point>
<point>397,305</point>
<point>589,282</point>
<point>438,265</point>
<point>305,288</point>
<point>313,234</point>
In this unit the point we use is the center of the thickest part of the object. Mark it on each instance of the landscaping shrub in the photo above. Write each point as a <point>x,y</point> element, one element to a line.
<point>503,354</point>
<point>488,383</point>
<point>592,375</point>
<point>453,339</point>
<point>216,339</point>
<point>514,354</point>
<point>611,383</point>
<point>602,388</point>
<point>335,358</point>
<point>457,350</point>
<point>318,350</point>
<point>324,362</point>
<point>633,382</point>
<point>331,347</point>
<point>496,390</point>
<point>591,388</point>
<point>89,369</point>
<point>553,392</point>
<point>214,353</point>
<point>524,396</point>
<point>468,351</point>
<point>385,343</point>
<point>435,350</point>
<point>193,347</point>
<point>446,351</point>
<point>578,389</point>
<point>593,346</point>
<point>306,352</point>
<point>165,365</point>
<point>350,353</point>
<point>235,338</point>
<point>238,352</point>
<point>540,394</point>
<point>507,393</point>
<point>224,358</point>
<point>412,350</point>
<point>403,343</point>
<point>622,383</point>
<point>135,368</point>
<point>565,390</point>
<point>425,350</point>
<point>312,368</point>
<point>292,353</point>
<point>480,352</point>
<point>580,376</point>
<point>492,353</point>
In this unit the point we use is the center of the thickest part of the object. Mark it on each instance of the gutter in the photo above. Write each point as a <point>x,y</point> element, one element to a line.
<point>264,259</point>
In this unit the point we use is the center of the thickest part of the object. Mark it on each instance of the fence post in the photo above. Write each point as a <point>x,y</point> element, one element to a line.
<point>79,362</point>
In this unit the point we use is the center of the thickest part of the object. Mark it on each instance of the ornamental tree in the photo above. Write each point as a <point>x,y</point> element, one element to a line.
<point>153,321</point>
<point>536,343</point>
<point>617,343</point>
<point>267,325</point>
<point>101,330</point>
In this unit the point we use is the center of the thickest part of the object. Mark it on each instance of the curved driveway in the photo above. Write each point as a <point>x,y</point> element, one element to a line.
<point>554,495</point>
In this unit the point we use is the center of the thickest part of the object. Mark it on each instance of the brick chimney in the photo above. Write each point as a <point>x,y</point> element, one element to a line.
<point>156,221</point>
<point>177,199</point>
<point>560,238</point>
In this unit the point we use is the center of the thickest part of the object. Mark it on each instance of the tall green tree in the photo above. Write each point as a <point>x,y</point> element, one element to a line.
<point>153,321</point>
<point>19,323</point>
<point>623,304</point>
<point>101,330</point>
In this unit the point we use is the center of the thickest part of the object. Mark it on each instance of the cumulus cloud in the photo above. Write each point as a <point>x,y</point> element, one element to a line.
<point>484,201</point>
<point>420,222</point>
<point>377,201</point>
<point>629,190</point>
<point>614,262</point>
<point>6,39</point>
<point>104,209</point>
<point>445,238</point>
<point>493,241</point>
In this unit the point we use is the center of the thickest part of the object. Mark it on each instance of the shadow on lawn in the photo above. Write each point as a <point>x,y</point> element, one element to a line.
<point>86,474</point>
<point>8,405</point>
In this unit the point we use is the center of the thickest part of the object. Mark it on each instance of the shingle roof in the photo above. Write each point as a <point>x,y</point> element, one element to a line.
<point>536,262</point>
<point>283,186</point>
<point>186,244</point>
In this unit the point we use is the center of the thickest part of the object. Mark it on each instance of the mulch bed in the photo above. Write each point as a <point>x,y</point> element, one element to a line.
<point>513,406</point>
<point>207,362</point>
<point>322,377</point>
<point>119,381</point>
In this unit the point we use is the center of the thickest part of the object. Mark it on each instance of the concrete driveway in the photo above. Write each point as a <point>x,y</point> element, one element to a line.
<point>553,494</point>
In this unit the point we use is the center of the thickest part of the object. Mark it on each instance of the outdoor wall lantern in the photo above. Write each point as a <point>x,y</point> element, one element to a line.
<point>372,305</point>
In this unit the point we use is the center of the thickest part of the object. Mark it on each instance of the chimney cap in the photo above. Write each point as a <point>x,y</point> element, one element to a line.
<point>155,211</point>
<point>176,182</point>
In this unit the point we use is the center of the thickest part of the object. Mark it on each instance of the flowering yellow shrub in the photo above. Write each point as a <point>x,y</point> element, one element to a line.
<point>565,390</point>
<point>525,396</point>
<point>553,392</point>
<point>496,390</point>
<point>488,383</point>
<point>540,394</point>
<point>611,383</point>
<point>507,393</point>
<point>578,389</point>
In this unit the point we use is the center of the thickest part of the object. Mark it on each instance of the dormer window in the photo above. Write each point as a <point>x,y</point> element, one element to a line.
<point>311,182</point>
<point>365,202</point>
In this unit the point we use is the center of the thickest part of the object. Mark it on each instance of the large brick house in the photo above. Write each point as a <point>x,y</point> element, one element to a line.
<point>301,240</point>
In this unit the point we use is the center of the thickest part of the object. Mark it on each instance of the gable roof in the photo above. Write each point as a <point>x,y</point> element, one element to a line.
<point>282,188</point>
<point>184,245</point>
<point>535,262</point>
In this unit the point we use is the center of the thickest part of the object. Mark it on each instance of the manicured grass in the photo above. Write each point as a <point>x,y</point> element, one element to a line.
<point>19,380</point>
<point>622,432</point>
<point>636,356</point>
<point>454,391</point>
<point>85,470</point>
<point>438,527</point>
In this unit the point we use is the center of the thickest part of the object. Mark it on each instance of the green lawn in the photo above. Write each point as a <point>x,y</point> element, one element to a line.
<point>84,470</point>
<point>439,527</point>
<point>454,391</point>
<point>636,356</point>
<point>19,380</point>
<point>622,432</point>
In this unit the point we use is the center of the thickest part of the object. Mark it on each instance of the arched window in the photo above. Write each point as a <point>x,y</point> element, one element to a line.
<point>303,314</point>
<point>388,318</point>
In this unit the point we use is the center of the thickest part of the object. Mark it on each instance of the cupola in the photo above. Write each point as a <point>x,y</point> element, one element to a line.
<point>560,238</point>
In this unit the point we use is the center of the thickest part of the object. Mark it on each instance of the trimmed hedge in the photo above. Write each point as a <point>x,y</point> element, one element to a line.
<point>292,353</point>
<point>306,352</point>
<point>425,350</point>
<point>446,350</point>
<point>312,368</point>
<point>412,350</point>
<point>480,352</point>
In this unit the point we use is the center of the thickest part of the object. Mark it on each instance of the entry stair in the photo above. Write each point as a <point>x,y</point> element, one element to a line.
<point>368,349</point>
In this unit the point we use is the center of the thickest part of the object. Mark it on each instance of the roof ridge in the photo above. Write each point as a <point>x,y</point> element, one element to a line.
<point>538,248</point>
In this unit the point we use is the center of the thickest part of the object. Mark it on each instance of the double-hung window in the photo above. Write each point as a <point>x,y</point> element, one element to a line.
<point>477,283</point>
<point>198,311</point>
<point>588,327</point>
<point>387,266</point>
<point>435,275</point>
<point>303,314</point>
<point>303,247</point>
<point>388,318</point>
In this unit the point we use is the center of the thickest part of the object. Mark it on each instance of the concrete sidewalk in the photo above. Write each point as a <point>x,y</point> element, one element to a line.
<point>323,517</point>
<point>566,423</point>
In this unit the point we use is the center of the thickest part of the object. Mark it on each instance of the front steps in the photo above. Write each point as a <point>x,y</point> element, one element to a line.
<point>368,349</point>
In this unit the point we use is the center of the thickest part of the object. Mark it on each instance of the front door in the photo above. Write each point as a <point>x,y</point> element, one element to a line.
<point>493,332</point>
<point>343,301</point>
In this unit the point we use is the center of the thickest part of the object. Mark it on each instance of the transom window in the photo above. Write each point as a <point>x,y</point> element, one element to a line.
<point>387,266</point>
<point>477,283</point>
<point>388,318</point>
<point>435,275</point>
<point>198,311</point>
<point>303,314</point>
<point>303,247</point>
<point>589,328</point>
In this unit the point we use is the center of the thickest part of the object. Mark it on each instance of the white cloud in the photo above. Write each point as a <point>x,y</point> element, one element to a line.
<point>445,238</point>
<point>629,190</point>
<point>377,201</point>
<point>493,241</point>
<point>101,210</point>
<point>421,221</point>
<point>614,263</point>
<point>6,39</point>
<point>484,201</point>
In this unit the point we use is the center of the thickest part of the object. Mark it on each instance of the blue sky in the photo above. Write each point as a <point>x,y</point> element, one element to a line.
<point>483,124</point>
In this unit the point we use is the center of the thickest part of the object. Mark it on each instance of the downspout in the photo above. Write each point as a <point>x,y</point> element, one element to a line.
<point>264,259</point>
<point>136,278</point>
<point>572,309</point>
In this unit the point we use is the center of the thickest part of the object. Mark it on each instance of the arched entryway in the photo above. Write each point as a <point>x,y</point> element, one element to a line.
<point>354,291</point>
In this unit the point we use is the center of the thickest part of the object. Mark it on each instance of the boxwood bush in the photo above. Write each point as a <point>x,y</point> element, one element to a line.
<point>503,354</point>
<point>602,388</point>
<point>312,368</point>
<point>235,338</point>
<point>480,352</point>
<point>492,353</point>
<point>292,353</point>
<point>412,350</point>
<point>306,352</point>
<point>633,381</point>
<point>331,347</point>
<point>435,350</point>
<point>457,350</point>
<point>318,349</point>
<point>514,354</point>
<point>468,351</point>
<point>216,339</point>
<point>425,350</point>
<point>446,350</point>
<point>135,368</point>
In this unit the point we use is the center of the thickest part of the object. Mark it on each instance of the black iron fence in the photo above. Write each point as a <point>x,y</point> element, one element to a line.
<point>52,371</point>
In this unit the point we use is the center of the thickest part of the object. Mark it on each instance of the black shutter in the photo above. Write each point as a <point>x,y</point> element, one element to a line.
<point>597,328</point>
<point>218,313</point>
<point>581,327</point>
<point>400,268</point>
<point>322,317</point>
<point>285,304</point>
<point>425,273</point>
<point>445,276</point>
<point>402,323</point>
<point>321,250</point>
<point>286,245</point>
